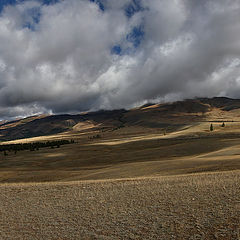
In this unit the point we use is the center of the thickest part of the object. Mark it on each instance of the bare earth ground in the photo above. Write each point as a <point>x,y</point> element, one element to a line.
<point>197,206</point>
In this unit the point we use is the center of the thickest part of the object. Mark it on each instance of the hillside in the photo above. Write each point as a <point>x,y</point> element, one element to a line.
<point>155,139</point>
<point>151,116</point>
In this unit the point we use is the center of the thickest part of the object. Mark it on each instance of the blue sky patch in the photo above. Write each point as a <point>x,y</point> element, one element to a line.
<point>136,36</point>
<point>134,7</point>
<point>4,3</point>
<point>99,3</point>
<point>33,18</point>
<point>116,50</point>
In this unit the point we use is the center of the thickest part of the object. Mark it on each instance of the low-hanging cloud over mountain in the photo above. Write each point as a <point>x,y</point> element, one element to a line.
<point>78,55</point>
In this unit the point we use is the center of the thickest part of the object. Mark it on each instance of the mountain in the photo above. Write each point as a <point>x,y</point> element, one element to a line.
<point>173,116</point>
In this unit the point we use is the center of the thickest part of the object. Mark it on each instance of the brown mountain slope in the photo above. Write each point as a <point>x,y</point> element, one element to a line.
<point>172,116</point>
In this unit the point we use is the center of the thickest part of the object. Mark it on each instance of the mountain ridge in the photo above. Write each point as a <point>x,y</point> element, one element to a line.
<point>157,115</point>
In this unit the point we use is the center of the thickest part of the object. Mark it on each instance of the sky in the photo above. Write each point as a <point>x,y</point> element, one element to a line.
<point>70,56</point>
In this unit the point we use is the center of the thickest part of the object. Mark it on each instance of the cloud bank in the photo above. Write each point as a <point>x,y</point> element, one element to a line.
<point>78,55</point>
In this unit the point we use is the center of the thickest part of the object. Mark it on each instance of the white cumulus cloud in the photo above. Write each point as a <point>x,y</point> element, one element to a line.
<point>59,58</point>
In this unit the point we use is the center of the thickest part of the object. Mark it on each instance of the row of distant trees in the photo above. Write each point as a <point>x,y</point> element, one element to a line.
<point>33,146</point>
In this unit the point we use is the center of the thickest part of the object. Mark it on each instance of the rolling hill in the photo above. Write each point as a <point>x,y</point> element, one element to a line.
<point>151,116</point>
<point>154,139</point>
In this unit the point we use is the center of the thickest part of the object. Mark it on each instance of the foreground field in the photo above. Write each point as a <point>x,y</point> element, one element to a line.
<point>195,206</point>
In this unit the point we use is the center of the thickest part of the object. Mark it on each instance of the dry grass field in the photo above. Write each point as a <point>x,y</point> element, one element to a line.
<point>117,155</point>
<point>196,206</point>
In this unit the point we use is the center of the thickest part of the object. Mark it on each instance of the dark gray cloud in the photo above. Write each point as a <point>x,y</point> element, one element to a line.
<point>63,61</point>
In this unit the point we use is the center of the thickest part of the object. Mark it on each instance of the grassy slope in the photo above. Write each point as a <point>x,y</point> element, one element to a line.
<point>88,159</point>
<point>131,152</point>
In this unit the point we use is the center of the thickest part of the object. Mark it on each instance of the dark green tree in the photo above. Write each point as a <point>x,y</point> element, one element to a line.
<point>211,127</point>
